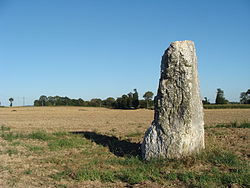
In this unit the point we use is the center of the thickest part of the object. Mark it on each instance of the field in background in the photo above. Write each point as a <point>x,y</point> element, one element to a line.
<point>121,122</point>
<point>36,149</point>
<point>226,106</point>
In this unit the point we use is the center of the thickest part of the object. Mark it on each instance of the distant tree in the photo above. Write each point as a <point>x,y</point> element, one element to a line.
<point>205,101</point>
<point>68,101</point>
<point>63,101</point>
<point>143,104</point>
<point>127,101</point>
<point>130,100</point>
<point>11,101</point>
<point>51,101</point>
<point>245,97</point>
<point>118,102</point>
<point>148,97</point>
<point>81,102</point>
<point>124,104</point>
<point>43,100</point>
<point>59,101</point>
<point>87,103</point>
<point>135,101</point>
<point>37,103</point>
<point>220,99</point>
<point>74,102</point>
<point>96,102</point>
<point>109,102</point>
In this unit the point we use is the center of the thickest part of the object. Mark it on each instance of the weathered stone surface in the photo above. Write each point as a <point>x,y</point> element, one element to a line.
<point>178,126</point>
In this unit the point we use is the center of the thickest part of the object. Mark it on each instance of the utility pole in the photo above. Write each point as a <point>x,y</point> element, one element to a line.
<point>23,101</point>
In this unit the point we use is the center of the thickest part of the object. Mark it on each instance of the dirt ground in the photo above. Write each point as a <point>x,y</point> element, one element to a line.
<point>121,122</point>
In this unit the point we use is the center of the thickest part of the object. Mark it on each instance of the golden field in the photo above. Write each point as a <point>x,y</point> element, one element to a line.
<point>37,151</point>
<point>27,119</point>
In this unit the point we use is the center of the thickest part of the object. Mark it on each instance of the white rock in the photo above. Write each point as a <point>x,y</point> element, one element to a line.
<point>178,126</point>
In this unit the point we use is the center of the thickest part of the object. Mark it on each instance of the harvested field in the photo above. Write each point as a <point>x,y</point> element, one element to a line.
<point>27,119</point>
<point>36,149</point>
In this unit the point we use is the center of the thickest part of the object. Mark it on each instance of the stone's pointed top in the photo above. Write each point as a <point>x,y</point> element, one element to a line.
<point>183,41</point>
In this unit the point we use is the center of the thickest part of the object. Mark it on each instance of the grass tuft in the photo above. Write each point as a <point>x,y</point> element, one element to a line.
<point>135,134</point>
<point>220,157</point>
<point>235,178</point>
<point>11,152</point>
<point>61,186</point>
<point>9,136</point>
<point>132,176</point>
<point>88,174</point>
<point>60,175</point>
<point>40,135</point>
<point>27,172</point>
<point>36,149</point>
<point>4,128</point>
<point>232,125</point>
<point>187,177</point>
<point>64,143</point>
<point>171,176</point>
<point>244,125</point>
<point>60,134</point>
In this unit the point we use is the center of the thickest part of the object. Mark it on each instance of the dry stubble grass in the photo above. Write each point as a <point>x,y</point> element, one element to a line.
<point>31,162</point>
<point>122,122</point>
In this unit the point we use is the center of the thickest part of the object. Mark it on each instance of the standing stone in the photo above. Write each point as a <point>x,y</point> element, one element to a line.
<point>178,126</point>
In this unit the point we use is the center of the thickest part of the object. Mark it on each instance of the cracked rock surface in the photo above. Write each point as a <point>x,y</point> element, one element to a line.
<point>178,127</point>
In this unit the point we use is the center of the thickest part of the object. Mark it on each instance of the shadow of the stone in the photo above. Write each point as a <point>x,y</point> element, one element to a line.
<point>118,147</point>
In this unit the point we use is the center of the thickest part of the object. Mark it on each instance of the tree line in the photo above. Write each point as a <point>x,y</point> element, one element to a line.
<point>220,98</point>
<point>126,101</point>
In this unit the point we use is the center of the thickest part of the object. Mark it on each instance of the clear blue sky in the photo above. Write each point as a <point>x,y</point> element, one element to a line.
<point>96,49</point>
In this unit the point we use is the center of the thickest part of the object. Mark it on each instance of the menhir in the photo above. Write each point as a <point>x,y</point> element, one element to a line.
<point>178,127</point>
